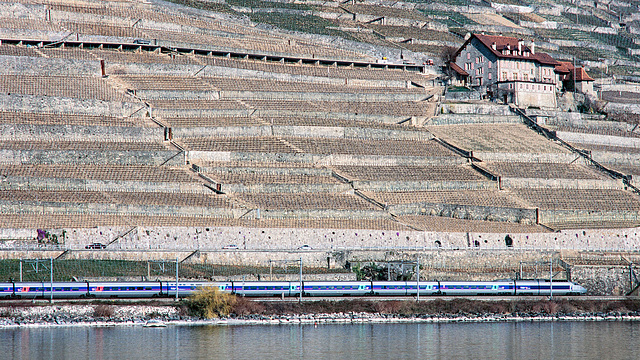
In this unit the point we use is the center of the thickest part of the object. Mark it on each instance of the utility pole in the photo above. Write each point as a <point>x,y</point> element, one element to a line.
<point>551,279</point>
<point>177,264</point>
<point>51,272</point>
<point>418,278</point>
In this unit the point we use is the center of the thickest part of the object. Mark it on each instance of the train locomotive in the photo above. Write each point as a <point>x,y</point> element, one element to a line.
<point>154,289</point>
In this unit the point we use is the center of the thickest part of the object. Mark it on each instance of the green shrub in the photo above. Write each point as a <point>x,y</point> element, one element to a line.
<point>210,303</point>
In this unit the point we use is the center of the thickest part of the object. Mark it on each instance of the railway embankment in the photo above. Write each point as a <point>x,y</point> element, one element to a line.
<point>250,312</point>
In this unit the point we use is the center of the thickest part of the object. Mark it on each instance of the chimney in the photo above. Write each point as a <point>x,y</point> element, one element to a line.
<point>520,42</point>
<point>533,47</point>
<point>493,46</point>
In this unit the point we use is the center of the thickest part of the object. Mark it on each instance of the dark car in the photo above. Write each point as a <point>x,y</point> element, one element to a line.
<point>95,246</point>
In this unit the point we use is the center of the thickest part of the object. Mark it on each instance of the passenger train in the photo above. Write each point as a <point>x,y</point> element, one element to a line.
<point>151,289</point>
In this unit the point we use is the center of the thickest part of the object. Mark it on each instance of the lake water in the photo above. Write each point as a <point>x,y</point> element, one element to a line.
<point>523,340</point>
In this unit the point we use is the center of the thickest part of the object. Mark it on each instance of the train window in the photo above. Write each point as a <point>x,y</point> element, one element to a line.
<point>131,288</point>
<point>75,289</point>
<point>139,288</point>
<point>148,288</point>
<point>67,289</point>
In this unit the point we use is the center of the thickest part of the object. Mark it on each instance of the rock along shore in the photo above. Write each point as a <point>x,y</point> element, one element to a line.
<point>139,315</point>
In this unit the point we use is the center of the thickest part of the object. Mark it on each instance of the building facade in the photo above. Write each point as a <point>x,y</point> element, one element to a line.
<point>508,70</point>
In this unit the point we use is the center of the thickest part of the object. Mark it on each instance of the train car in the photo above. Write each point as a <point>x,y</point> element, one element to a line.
<point>120,289</point>
<point>389,288</point>
<point>336,288</point>
<point>472,288</point>
<point>6,290</point>
<point>266,288</point>
<point>42,290</point>
<point>188,288</point>
<point>404,288</point>
<point>545,288</point>
<point>427,288</point>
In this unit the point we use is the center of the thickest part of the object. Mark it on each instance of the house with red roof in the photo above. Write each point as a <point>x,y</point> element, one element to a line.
<point>508,70</point>
<point>574,78</point>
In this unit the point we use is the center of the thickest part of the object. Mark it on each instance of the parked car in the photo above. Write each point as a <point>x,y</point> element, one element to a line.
<point>230,247</point>
<point>96,245</point>
<point>305,247</point>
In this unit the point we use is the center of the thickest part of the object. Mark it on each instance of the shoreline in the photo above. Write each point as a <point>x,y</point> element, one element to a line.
<point>139,315</point>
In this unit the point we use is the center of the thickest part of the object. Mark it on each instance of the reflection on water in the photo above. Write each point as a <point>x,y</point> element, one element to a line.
<point>562,340</point>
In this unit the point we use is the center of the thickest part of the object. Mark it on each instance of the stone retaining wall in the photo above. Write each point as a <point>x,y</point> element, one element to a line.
<point>116,157</point>
<point>190,238</point>
<point>597,139</point>
<point>330,132</point>
<point>457,119</point>
<point>321,159</point>
<point>25,132</point>
<point>58,184</point>
<point>533,183</point>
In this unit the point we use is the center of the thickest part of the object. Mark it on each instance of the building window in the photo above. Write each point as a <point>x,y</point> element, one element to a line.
<point>526,77</point>
<point>504,76</point>
<point>468,56</point>
<point>515,76</point>
<point>489,65</point>
<point>489,74</point>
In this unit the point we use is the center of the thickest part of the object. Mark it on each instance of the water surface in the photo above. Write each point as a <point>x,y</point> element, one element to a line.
<point>523,340</point>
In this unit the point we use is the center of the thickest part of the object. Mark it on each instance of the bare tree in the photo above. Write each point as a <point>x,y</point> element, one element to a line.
<point>448,54</point>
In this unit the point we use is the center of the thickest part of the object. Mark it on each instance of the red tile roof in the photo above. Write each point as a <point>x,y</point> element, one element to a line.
<point>506,42</point>
<point>458,69</point>
<point>564,67</point>
<point>580,75</point>
<point>569,70</point>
